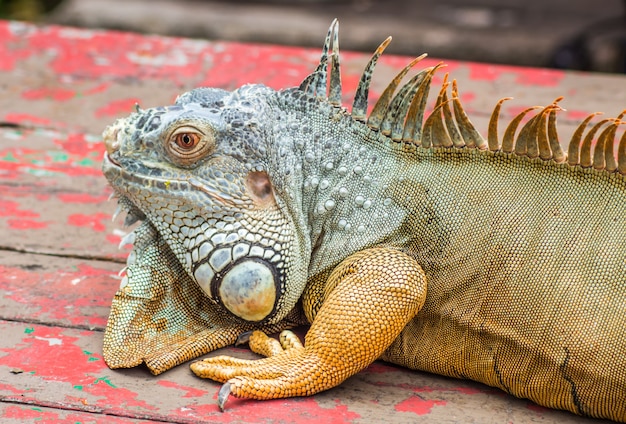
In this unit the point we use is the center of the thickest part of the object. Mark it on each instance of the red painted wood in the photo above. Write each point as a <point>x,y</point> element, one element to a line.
<point>53,195</point>
<point>99,75</point>
<point>61,368</point>
<point>53,290</point>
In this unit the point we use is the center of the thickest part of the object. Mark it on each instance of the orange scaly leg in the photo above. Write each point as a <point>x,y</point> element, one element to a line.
<point>368,300</point>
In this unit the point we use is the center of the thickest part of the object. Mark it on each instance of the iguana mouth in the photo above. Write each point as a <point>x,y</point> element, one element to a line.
<point>124,203</point>
<point>111,166</point>
<point>111,142</point>
<point>108,161</point>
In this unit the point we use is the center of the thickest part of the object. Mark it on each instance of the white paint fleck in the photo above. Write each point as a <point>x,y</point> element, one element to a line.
<point>52,341</point>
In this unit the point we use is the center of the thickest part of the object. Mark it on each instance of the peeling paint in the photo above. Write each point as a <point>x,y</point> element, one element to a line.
<point>94,221</point>
<point>52,296</point>
<point>417,405</point>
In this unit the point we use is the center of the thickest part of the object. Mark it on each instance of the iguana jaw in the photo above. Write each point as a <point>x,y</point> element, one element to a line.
<point>121,179</point>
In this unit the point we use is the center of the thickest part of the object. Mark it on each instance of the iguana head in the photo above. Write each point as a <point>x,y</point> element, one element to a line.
<point>198,172</point>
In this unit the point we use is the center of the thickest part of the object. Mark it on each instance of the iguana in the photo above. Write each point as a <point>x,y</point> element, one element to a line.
<point>411,240</point>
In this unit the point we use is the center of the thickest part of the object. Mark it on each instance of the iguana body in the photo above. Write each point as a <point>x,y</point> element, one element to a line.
<point>416,242</point>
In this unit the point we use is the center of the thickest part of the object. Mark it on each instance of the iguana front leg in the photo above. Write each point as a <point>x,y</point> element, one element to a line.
<point>368,300</point>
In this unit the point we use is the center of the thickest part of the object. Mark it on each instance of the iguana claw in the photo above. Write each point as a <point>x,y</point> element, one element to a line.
<point>222,396</point>
<point>243,338</point>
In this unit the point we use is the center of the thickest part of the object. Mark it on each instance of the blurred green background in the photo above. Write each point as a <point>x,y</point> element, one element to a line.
<point>26,10</point>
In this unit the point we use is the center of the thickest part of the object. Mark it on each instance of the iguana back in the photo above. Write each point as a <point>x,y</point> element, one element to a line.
<point>525,265</point>
<point>525,260</point>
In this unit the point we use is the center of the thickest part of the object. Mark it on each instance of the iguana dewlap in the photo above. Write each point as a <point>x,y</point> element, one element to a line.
<point>414,241</point>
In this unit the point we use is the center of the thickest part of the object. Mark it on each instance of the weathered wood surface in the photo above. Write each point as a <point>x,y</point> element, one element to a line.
<point>59,87</point>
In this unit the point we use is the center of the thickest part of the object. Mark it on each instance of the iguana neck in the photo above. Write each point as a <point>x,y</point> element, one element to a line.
<point>333,173</point>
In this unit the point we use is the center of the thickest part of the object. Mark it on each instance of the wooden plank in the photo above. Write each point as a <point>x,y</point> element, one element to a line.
<point>62,368</point>
<point>54,290</point>
<point>35,414</point>
<point>99,75</point>
<point>54,197</point>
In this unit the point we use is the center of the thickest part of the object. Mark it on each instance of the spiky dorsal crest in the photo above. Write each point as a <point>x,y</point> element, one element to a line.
<point>316,83</point>
<point>401,116</point>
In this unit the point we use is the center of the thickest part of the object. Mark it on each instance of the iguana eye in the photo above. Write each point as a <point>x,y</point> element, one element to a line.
<point>186,145</point>
<point>187,140</point>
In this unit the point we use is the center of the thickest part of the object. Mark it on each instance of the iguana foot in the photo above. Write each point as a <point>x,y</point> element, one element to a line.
<point>223,368</point>
<point>369,299</point>
<point>287,374</point>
